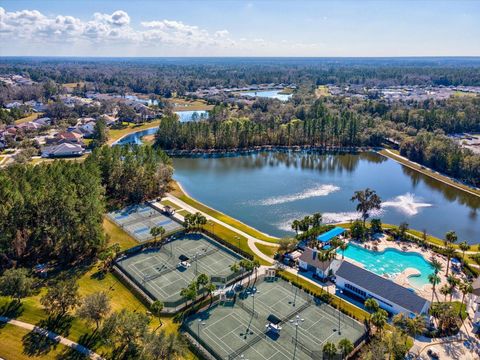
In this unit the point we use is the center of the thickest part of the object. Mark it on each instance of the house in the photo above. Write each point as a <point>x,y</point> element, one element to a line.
<point>357,282</point>
<point>309,261</point>
<point>68,136</point>
<point>13,104</point>
<point>62,150</point>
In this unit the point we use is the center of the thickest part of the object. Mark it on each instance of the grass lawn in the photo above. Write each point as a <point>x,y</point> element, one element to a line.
<point>171,204</point>
<point>117,235</point>
<point>180,104</point>
<point>12,346</point>
<point>321,90</point>
<point>31,117</point>
<point>183,212</point>
<point>115,134</point>
<point>428,172</point>
<point>267,250</point>
<point>233,238</point>
<point>89,281</point>
<point>178,192</point>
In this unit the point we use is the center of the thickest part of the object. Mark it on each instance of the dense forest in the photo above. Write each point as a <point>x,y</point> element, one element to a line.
<point>166,76</point>
<point>54,211</point>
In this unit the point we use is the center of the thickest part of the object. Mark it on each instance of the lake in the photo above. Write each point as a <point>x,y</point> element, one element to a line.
<point>271,94</point>
<point>268,190</point>
<point>184,116</point>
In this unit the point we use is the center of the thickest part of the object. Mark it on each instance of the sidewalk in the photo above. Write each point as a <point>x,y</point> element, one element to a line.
<point>53,336</point>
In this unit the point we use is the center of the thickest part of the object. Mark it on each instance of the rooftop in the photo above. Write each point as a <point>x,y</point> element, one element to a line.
<point>382,287</point>
<point>329,235</point>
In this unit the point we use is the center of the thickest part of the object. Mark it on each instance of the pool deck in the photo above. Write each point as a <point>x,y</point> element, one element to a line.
<point>402,279</point>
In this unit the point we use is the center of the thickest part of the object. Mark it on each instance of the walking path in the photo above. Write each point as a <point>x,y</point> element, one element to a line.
<point>413,165</point>
<point>53,336</point>
<point>251,240</point>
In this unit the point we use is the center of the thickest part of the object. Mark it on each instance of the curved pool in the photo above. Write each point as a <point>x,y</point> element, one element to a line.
<point>391,262</point>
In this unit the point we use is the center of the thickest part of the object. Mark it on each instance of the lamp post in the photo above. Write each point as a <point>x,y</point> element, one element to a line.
<point>339,311</point>
<point>200,322</point>
<point>238,240</point>
<point>297,322</point>
<point>196,262</point>
<point>296,290</point>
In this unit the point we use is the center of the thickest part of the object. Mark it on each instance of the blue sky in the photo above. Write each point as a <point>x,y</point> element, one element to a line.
<point>240,28</point>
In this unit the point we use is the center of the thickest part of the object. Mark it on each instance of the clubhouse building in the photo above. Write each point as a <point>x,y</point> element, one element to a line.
<point>362,284</point>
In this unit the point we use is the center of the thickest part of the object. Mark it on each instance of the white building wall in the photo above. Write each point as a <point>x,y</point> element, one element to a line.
<point>385,304</point>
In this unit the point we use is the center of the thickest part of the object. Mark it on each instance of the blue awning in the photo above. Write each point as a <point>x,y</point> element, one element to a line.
<point>329,235</point>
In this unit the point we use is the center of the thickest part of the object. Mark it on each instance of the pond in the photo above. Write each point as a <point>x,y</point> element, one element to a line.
<point>184,116</point>
<point>268,190</point>
<point>192,115</point>
<point>271,94</point>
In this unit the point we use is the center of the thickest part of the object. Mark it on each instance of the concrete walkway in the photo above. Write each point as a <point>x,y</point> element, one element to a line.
<point>430,173</point>
<point>251,239</point>
<point>53,336</point>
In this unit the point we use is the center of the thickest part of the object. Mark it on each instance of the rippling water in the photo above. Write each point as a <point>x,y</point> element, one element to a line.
<point>270,190</point>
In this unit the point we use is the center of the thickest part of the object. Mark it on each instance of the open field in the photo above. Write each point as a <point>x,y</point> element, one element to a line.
<point>321,90</point>
<point>31,117</point>
<point>267,250</point>
<point>240,329</point>
<point>13,339</point>
<point>178,192</point>
<point>180,104</point>
<point>115,134</point>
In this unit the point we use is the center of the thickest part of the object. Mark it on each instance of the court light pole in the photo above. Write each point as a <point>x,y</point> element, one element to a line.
<point>339,305</point>
<point>200,322</point>
<point>297,322</point>
<point>296,290</point>
<point>253,299</point>
<point>196,263</point>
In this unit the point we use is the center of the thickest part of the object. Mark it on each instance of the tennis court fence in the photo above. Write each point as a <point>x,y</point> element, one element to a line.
<point>247,309</point>
<point>246,346</point>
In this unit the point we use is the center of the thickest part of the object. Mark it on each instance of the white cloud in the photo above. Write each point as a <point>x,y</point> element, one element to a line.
<point>30,32</point>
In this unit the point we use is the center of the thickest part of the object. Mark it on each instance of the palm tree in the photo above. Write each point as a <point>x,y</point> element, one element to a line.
<point>449,253</point>
<point>156,231</point>
<point>329,350</point>
<point>156,309</point>
<point>424,238</point>
<point>325,257</point>
<point>379,319</point>
<point>416,326</point>
<point>445,290</point>
<point>296,226</point>
<point>436,265</point>
<point>256,265</point>
<point>368,200</point>
<point>450,238</point>
<point>210,289</point>
<point>452,282</point>
<point>316,220</point>
<point>346,347</point>
<point>371,305</point>
<point>343,247</point>
<point>466,288</point>
<point>464,247</point>
<point>234,268</point>
<point>433,279</point>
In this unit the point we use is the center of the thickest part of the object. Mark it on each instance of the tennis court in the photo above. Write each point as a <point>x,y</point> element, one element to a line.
<point>138,220</point>
<point>159,272</point>
<point>228,332</point>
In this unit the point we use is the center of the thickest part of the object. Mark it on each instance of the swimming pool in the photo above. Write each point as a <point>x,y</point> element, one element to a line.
<point>392,262</point>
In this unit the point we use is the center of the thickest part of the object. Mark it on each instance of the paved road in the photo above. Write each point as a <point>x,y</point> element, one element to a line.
<point>53,336</point>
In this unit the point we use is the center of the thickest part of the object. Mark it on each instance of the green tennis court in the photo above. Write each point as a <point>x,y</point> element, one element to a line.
<point>240,331</point>
<point>159,273</point>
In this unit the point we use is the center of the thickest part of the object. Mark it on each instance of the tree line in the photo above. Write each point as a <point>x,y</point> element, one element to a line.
<point>53,211</point>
